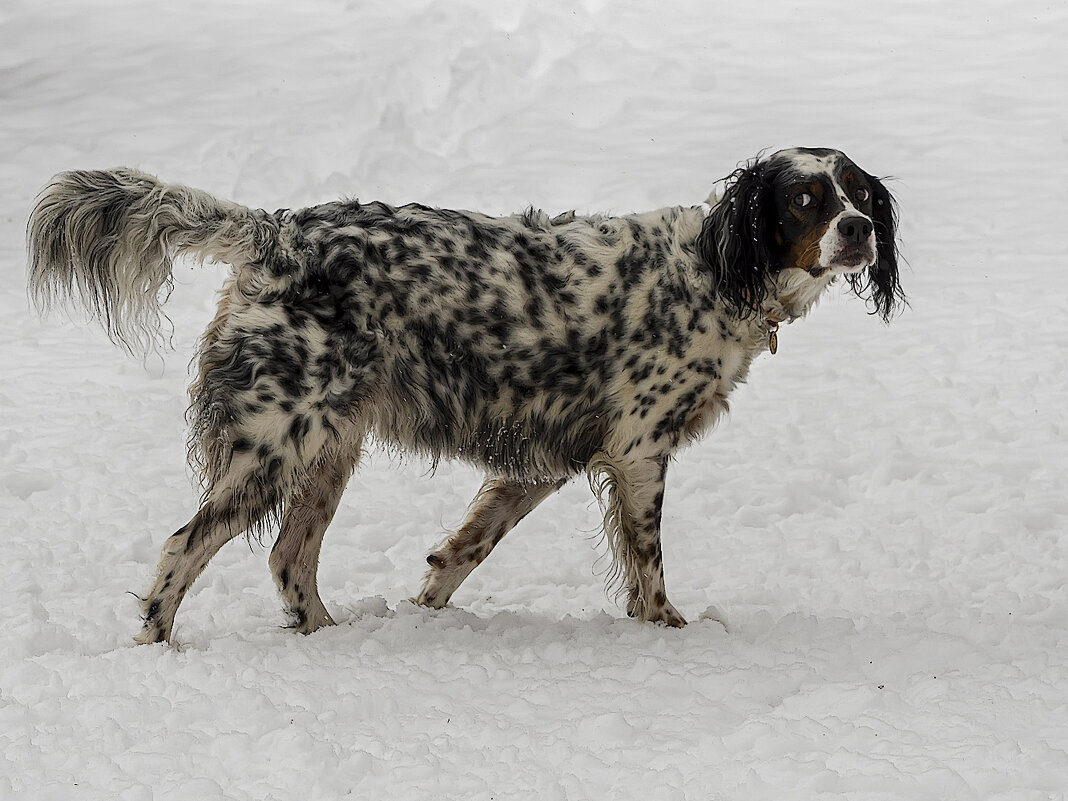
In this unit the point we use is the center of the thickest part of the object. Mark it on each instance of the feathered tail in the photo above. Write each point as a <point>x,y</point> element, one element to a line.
<point>108,237</point>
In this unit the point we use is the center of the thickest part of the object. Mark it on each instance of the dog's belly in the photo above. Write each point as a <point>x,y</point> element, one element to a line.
<point>522,414</point>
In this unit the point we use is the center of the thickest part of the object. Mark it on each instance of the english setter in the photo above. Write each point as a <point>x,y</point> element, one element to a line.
<point>534,347</point>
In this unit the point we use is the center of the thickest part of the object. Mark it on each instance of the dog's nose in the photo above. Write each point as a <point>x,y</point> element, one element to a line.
<point>855,229</point>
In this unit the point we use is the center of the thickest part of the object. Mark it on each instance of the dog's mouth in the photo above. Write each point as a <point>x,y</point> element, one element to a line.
<point>845,261</point>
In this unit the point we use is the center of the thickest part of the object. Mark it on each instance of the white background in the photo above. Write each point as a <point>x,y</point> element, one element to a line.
<point>882,519</point>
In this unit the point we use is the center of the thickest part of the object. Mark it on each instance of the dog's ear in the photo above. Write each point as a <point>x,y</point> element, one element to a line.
<point>735,241</point>
<point>882,277</point>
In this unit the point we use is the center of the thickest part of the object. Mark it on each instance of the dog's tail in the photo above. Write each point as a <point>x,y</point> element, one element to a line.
<point>108,238</point>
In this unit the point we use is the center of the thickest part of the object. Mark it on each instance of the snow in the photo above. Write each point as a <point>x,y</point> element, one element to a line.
<point>881,521</point>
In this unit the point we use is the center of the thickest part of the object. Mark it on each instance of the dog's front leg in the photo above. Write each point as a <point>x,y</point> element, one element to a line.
<point>635,498</point>
<point>499,505</point>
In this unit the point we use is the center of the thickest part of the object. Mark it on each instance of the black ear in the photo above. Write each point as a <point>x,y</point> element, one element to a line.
<point>735,241</point>
<point>882,277</point>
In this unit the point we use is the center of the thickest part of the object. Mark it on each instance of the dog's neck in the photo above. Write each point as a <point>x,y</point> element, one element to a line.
<point>790,298</point>
<point>793,293</point>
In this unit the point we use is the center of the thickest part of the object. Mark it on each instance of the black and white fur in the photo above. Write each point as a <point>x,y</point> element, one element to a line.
<point>534,347</point>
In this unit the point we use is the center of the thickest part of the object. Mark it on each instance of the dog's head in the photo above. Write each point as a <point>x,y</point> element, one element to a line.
<point>799,219</point>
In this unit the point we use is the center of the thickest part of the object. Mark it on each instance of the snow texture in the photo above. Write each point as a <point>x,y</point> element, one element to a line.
<point>881,520</point>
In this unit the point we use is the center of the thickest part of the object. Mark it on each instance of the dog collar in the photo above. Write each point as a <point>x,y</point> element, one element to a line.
<point>772,318</point>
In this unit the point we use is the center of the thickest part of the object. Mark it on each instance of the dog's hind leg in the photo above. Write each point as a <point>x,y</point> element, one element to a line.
<point>185,555</point>
<point>499,505</point>
<point>295,557</point>
<point>249,484</point>
<point>635,498</point>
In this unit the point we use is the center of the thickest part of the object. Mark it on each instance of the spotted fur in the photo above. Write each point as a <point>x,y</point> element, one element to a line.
<point>534,347</point>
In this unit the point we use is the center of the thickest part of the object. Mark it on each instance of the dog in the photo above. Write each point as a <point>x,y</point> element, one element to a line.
<point>533,347</point>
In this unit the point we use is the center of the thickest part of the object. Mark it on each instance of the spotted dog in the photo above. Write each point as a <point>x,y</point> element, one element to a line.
<point>534,347</point>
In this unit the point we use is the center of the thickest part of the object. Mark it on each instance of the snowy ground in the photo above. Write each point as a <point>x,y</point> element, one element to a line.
<point>882,519</point>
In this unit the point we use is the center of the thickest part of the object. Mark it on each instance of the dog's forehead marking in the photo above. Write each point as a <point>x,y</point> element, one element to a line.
<point>812,164</point>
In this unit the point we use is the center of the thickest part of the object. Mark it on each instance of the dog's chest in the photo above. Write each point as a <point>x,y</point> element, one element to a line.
<point>687,391</point>
<point>735,348</point>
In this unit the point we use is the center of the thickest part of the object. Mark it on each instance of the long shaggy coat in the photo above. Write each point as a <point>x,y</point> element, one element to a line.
<point>535,347</point>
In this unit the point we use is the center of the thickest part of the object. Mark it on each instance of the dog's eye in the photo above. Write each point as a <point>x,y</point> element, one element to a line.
<point>862,195</point>
<point>803,199</point>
